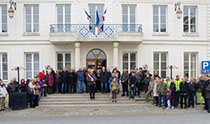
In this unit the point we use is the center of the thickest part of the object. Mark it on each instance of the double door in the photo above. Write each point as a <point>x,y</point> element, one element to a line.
<point>96,63</point>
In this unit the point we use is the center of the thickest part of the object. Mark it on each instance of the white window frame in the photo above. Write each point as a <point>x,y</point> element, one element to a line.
<point>1,19</point>
<point>128,15</point>
<point>159,70</point>
<point>189,16</point>
<point>159,18</point>
<point>96,8</point>
<point>64,61</point>
<point>129,61</point>
<point>1,67</point>
<point>189,64</point>
<point>32,64</point>
<point>64,24</point>
<point>32,18</point>
<point>64,14</point>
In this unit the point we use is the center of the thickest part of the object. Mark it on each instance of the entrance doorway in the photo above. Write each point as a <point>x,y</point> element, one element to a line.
<point>96,59</point>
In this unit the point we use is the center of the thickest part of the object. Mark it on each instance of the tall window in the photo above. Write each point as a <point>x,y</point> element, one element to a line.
<point>32,64</point>
<point>64,18</point>
<point>92,12</point>
<point>3,18</point>
<point>63,60</point>
<point>159,18</point>
<point>3,66</point>
<point>129,17</point>
<point>129,61</point>
<point>190,64</point>
<point>160,63</point>
<point>190,19</point>
<point>32,18</point>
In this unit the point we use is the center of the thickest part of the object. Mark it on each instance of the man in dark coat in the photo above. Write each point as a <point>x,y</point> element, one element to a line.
<point>124,81</point>
<point>64,80</point>
<point>184,89</point>
<point>72,81</point>
<point>140,77</point>
<point>109,74</point>
<point>16,84</point>
<point>192,90</point>
<point>206,80</point>
<point>11,88</point>
<point>104,80</point>
<point>207,95</point>
<point>98,80</point>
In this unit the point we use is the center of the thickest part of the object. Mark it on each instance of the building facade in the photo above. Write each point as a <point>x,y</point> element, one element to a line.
<point>131,33</point>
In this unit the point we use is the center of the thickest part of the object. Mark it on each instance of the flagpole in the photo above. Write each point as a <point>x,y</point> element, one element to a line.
<point>90,18</point>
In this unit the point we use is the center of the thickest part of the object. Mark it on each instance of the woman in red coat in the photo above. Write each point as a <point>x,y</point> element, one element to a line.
<point>50,82</point>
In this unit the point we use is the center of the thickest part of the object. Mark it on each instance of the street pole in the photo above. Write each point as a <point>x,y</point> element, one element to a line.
<point>18,68</point>
<point>18,72</point>
<point>171,67</point>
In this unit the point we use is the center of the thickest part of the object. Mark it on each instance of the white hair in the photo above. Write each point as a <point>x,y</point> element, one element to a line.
<point>49,71</point>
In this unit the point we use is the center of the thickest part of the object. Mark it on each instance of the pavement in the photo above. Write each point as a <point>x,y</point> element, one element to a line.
<point>78,108</point>
<point>110,119</point>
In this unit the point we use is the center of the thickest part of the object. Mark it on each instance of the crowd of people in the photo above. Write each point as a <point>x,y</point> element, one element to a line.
<point>169,93</point>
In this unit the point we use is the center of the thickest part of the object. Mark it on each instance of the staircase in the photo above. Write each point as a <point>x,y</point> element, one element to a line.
<point>73,100</point>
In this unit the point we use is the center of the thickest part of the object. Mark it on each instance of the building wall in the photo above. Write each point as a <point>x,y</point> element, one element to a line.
<point>15,42</point>
<point>144,16</point>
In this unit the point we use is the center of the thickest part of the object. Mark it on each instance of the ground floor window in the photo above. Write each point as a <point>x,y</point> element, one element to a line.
<point>3,66</point>
<point>190,64</point>
<point>32,64</point>
<point>129,60</point>
<point>160,63</point>
<point>64,60</point>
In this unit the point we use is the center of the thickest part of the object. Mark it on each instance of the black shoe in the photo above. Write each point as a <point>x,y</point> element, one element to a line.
<point>123,95</point>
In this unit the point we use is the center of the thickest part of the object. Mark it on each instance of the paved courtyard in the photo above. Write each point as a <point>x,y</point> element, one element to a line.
<point>115,109</point>
<point>198,118</point>
<point>77,108</point>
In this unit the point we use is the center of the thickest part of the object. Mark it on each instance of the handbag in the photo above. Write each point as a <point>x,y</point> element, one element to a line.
<point>113,88</point>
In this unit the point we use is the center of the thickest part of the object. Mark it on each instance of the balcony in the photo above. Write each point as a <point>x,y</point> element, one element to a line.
<point>66,33</point>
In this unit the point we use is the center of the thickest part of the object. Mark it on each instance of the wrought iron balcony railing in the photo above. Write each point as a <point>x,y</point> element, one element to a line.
<point>89,30</point>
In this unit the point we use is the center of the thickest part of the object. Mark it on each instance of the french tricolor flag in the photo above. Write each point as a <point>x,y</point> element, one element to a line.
<point>97,30</point>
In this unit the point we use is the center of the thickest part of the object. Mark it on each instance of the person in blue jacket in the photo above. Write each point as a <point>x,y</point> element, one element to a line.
<point>80,79</point>
<point>112,77</point>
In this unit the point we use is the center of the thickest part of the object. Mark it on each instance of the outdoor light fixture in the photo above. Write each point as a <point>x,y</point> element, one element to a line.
<point>178,10</point>
<point>171,67</point>
<point>11,9</point>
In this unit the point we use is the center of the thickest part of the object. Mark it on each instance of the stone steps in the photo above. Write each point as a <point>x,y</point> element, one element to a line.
<point>89,105</point>
<point>83,102</point>
<point>74,100</point>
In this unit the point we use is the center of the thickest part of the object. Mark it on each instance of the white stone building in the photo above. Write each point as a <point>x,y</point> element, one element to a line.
<point>134,33</point>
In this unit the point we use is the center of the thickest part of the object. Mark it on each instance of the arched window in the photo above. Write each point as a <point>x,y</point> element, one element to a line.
<point>96,54</point>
